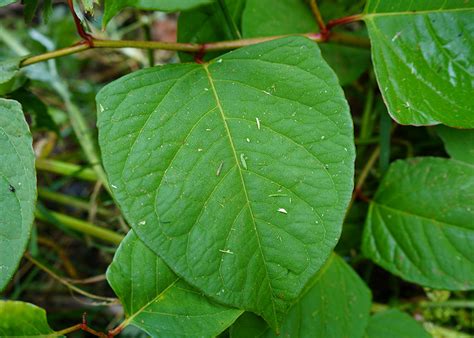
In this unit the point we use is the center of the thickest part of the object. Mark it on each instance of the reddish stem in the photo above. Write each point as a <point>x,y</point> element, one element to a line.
<point>343,21</point>
<point>199,55</point>
<point>88,39</point>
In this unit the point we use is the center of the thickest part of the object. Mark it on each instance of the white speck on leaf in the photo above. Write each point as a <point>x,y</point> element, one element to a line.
<point>243,161</point>
<point>258,122</point>
<point>226,251</point>
<point>219,61</point>
<point>248,140</point>
<point>396,36</point>
<point>199,149</point>
<point>282,210</point>
<point>113,186</point>
<point>142,223</point>
<point>219,169</point>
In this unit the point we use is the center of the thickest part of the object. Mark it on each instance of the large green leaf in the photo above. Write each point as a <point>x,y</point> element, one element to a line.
<point>158,301</point>
<point>420,223</point>
<point>237,172</point>
<point>294,17</point>
<point>19,319</point>
<point>207,24</point>
<point>17,187</point>
<point>112,7</point>
<point>423,56</point>
<point>459,143</point>
<point>335,304</point>
<point>394,324</point>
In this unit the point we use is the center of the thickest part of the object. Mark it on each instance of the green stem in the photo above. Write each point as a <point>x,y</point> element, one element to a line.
<point>81,226</point>
<point>317,14</point>
<point>468,304</point>
<point>229,20</point>
<point>71,201</point>
<point>341,38</point>
<point>66,169</point>
<point>150,53</point>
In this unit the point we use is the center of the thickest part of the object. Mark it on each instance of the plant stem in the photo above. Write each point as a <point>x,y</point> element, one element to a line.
<point>66,169</point>
<point>148,34</point>
<point>342,38</point>
<point>467,304</point>
<point>344,20</point>
<point>71,201</point>
<point>229,20</point>
<point>64,282</point>
<point>319,19</point>
<point>79,225</point>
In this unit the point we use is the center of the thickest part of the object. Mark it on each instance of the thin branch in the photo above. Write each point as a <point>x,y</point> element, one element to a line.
<point>345,20</point>
<point>342,38</point>
<point>319,19</point>
<point>66,283</point>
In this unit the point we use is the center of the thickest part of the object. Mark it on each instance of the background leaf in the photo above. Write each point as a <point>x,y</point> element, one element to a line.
<point>191,159</point>
<point>158,301</point>
<point>394,324</point>
<point>21,319</point>
<point>424,59</point>
<point>459,143</point>
<point>10,75</point>
<point>112,7</point>
<point>294,16</point>
<point>336,304</point>
<point>419,224</point>
<point>17,187</point>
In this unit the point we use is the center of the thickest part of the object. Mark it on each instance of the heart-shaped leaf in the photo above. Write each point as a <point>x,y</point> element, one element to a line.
<point>17,187</point>
<point>420,223</point>
<point>423,56</point>
<point>236,172</point>
<point>158,301</point>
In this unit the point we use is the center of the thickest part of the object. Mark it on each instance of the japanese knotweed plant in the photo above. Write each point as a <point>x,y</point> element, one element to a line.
<point>234,168</point>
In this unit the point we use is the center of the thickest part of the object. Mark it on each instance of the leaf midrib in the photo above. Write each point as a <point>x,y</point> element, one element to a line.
<point>414,12</point>
<point>231,142</point>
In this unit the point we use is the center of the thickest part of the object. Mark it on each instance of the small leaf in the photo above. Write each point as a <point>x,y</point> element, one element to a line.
<point>420,223</point>
<point>112,7</point>
<point>423,58</point>
<point>158,301</point>
<point>394,324</point>
<point>10,75</point>
<point>459,143</point>
<point>20,319</point>
<point>164,133</point>
<point>17,187</point>
<point>336,304</point>
<point>294,17</point>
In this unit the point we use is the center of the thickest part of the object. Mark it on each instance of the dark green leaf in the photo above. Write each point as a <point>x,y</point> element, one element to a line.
<point>424,59</point>
<point>10,75</point>
<point>19,319</point>
<point>112,7</point>
<point>17,187</point>
<point>420,223</point>
<point>294,16</point>
<point>30,9</point>
<point>394,324</point>
<point>40,118</point>
<point>237,172</point>
<point>459,143</point>
<point>158,301</point>
<point>208,24</point>
<point>336,304</point>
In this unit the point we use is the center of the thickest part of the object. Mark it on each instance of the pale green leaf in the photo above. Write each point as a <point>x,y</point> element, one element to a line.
<point>17,187</point>
<point>420,223</point>
<point>423,55</point>
<point>19,319</point>
<point>335,304</point>
<point>158,301</point>
<point>237,172</point>
<point>112,7</point>
<point>294,16</point>
<point>6,2</point>
<point>10,76</point>
<point>394,324</point>
<point>459,143</point>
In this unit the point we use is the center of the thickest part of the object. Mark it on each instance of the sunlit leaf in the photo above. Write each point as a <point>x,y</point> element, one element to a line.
<point>423,55</point>
<point>237,172</point>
